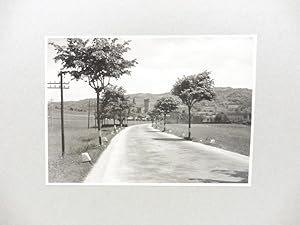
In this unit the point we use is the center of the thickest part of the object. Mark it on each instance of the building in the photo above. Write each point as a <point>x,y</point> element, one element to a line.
<point>146,105</point>
<point>208,119</point>
<point>239,117</point>
<point>232,107</point>
<point>208,109</point>
<point>236,115</point>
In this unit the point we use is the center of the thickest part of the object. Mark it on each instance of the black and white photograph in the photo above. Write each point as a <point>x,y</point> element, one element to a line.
<point>150,112</point>
<point>150,109</point>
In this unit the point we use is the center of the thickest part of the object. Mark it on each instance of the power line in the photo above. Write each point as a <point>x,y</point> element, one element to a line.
<point>57,85</point>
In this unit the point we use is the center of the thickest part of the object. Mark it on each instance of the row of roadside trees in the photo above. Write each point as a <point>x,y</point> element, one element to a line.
<point>100,60</point>
<point>96,61</point>
<point>190,90</point>
<point>115,104</point>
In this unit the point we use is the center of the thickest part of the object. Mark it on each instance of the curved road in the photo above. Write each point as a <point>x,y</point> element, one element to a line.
<point>141,154</point>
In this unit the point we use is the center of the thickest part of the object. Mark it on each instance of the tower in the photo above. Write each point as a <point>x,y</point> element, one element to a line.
<point>146,105</point>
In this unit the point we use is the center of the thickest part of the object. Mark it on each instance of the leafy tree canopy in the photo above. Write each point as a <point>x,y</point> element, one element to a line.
<point>154,114</point>
<point>94,60</point>
<point>194,88</point>
<point>166,105</point>
<point>115,102</point>
<point>113,94</point>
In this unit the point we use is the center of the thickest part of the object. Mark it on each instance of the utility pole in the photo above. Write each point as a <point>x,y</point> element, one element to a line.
<point>61,85</point>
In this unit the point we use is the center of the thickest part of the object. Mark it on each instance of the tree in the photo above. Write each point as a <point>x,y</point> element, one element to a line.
<point>165,105</point>
<point>154,115</point>
<point>221,118</point>
<point>115,104</point>
<point>192,89</point>
<point>96,62</point>
<point>123,107</point>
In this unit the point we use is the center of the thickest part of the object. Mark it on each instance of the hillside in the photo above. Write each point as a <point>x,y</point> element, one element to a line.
<point>224,96</point>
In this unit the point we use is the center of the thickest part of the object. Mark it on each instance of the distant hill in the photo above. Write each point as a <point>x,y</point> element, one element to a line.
<point>224,96</point>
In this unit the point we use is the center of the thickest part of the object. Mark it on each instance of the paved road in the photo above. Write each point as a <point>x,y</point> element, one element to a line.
<point>141,154</point>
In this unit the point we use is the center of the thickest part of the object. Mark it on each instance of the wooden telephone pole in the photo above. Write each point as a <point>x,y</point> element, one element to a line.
<point>61,85</point>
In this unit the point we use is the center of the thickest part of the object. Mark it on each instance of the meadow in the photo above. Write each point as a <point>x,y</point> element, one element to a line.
<point>231,137</point>
<point>78,139</point>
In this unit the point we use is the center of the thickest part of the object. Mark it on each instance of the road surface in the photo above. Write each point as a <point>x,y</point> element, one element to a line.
<point>142,154</point>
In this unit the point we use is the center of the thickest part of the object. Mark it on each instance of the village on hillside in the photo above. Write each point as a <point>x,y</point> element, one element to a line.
<point>232,111</point>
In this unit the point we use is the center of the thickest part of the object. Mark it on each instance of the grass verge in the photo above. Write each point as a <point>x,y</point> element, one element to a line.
<point>231,137</point>
<point>78,139</point>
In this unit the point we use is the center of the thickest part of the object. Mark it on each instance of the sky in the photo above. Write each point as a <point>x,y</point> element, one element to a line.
<point>161,60</point>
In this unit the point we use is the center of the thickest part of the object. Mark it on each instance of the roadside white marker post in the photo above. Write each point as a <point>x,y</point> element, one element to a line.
<point>85,157</point>
<point>105,139</point>
<point>100,137</point>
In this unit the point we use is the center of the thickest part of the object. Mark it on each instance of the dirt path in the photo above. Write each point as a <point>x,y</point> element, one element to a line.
<point>141,154</point>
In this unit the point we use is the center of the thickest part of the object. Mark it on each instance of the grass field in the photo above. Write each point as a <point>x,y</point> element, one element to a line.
<point>78,139</point>
<point>231,137</point>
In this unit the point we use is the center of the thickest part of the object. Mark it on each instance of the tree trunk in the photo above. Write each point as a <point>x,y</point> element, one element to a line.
<point>121,121</point>
<point>164,123</point>
<point>98,117</point>
<point>189,109</point>
<point>89,113</point>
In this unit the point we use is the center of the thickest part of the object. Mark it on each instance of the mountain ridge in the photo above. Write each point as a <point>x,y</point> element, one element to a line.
<point>224,97</point>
